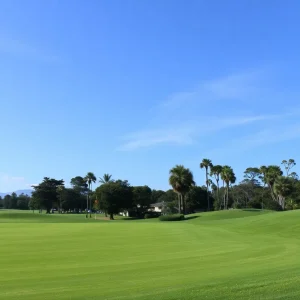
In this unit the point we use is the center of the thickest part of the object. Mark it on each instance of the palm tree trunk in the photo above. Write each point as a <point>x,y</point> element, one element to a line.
<point>90,200</point>
<point>272,193</point>
<point>87,205</point>
<point>227,192</point>
<point>179,203</point>
<point>281,201</point>
<point>218,192</point>
<point>183,203</point>
<point>206,175</point>
<point>224,196</point>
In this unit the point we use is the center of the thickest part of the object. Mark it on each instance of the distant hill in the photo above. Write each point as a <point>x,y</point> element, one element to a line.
<point>18,192</point>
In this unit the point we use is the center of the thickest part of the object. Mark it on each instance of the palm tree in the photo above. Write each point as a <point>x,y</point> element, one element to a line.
<point>181,179</point>
<point>216,171</point>
<point>90,178</point>
<point>106,178</point>
<point>228,177</point>
<point>206,164</point>
<point>269,175</point>
<point>283,187</point>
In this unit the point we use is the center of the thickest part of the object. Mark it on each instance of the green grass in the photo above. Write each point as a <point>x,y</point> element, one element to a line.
<point>219,255</point>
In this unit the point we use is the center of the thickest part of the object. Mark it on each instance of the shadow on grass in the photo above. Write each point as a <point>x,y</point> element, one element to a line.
<point>252,209</point>
<point>136,219</point>
<point>190,218</point>
<point>130,219</point>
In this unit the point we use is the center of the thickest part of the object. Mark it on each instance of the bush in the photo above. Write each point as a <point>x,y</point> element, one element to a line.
<point>177,217</point>
<point>150,215</point>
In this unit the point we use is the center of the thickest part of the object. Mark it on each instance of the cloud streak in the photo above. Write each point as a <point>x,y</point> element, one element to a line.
<point>10,183</point>
<point>241,86</point>
<point>267,136</point>
<point>188,133</point>
<point>213,106</point>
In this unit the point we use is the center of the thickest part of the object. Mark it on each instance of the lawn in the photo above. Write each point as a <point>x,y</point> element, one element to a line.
<point>219,255</point>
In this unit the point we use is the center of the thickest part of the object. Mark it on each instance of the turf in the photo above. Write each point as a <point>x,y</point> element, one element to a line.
<point>220,255</point>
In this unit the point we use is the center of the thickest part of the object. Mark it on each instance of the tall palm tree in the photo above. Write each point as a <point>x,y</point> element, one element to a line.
<point>106,178</point>
<point>181,179</point>
<point>90,178</point>
<point>283,187</point>
<point>269,175</point>
<point>216,171</point>
<point>228,177</point>
<point>206,164</point>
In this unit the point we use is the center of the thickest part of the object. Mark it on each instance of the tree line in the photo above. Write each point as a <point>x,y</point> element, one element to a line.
<point>14,201</point>
<point>269,187</point>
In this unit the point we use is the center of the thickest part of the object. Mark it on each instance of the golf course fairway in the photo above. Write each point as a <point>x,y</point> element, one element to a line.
<point>232,254</point>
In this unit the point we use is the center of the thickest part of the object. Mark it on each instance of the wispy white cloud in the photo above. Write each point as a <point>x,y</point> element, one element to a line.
<point>273,134</point>
<point>236,86</point>
<point>240,86</point>
<point>218,104</point>
<point>10,183</point>
<point>150,138</point>
<point>23,49</point>
<point>187,133</point>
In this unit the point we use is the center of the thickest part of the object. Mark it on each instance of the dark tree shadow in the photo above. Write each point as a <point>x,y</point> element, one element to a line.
<point>131,219</point>
<point>252,209</point>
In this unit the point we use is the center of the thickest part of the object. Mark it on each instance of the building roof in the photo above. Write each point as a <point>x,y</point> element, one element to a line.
<point>158,204</point>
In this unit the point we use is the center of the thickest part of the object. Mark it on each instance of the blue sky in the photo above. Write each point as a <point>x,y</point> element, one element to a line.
<point>131,87</point>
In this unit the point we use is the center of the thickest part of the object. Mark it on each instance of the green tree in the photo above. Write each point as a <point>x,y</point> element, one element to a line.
<point>252,175</point>
<point>114,197</point>
<point>80,185</point>
<point>168,196</point>
<point>229,178</point>
<point>288,165</point>
<point>13,201</point>
<point>181,179</point>
<point>46,192</point>
<point>34,203</point>
<point>6,201</point>
<point>142,198</point>
<point>96,207</point>
<point>216,171</point>
<point>206,164</point>
<point>196,199</point>
<point>156,194</point>
<point>70,199</point>
<point>60,190</point>
<point>105,179</point>
<point>90,178</point>
<point>268,176</point>
<point>23,202</point>
<point>291,204</point>
<point>283,187</point>
<point>294,175</point>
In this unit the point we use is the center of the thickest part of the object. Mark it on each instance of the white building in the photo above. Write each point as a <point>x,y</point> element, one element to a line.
<point>157,207</point>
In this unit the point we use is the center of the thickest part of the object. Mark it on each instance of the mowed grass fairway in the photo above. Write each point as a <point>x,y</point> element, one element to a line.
<point>219,255</point>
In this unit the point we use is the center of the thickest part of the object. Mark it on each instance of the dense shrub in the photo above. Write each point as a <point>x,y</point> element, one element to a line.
<point>267,204</point>
<point>151,214</point>
<point>177,217</point>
